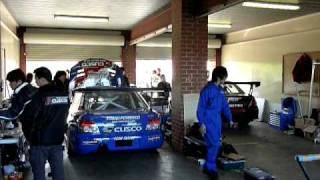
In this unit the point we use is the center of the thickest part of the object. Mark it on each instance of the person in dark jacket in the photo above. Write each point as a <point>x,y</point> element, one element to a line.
<point>29,78</point>
<point>165,86</point>
<point>22,94</point>
<point>60,79</point>
<point>124,79</point>
<point>46,114</point>
<point>212,105</point>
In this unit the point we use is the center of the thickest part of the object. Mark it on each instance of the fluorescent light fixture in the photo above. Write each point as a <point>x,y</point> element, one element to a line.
<point>270,5</point>
<point>219,25</point>
<point>81,18</point>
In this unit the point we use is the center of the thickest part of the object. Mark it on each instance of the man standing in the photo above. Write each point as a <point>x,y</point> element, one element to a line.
<point>165,86</point>
<point>60,80</point>
<point>155,79</point>
<point>213,104</point>
<point>124,79</point>
<point>46,114</point>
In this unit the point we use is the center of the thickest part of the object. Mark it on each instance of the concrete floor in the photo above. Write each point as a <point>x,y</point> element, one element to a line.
<point>263,147</point>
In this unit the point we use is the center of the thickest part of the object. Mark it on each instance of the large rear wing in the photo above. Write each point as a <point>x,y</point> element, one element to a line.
<point>251,83</point>
<point>95,72</point>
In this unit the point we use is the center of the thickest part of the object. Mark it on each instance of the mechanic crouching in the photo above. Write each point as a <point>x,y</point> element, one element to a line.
<point>212,105</point>
<point>45,116</point>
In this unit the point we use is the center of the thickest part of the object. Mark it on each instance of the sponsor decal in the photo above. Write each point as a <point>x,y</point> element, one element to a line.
<point>233,99</point>
<point>102,139</point>
<point>236,105</point>
<point>122,121</point>
<point>126,138</point>
<point>118,138</point>
<point>108,129</point>
<point>89,142</point>
<point>96,63</point>
<point>119,118</point>
<point>154,138</point>
<point>92,64</point>
<point>128,129</point>
<point>53,100</point>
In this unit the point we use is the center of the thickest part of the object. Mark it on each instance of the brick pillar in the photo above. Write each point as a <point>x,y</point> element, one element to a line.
<point>128,59</point>
<point>190,55</point>
<point>218,56</point>
<point>219,51</point>
<point>23,57</point>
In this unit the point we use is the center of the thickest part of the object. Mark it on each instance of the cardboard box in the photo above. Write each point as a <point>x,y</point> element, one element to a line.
<point>302,123</point>
<point>299,123</point>
<point>233,156</point>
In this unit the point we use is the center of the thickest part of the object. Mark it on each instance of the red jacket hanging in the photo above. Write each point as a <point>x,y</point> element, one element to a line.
<point>303,69</point>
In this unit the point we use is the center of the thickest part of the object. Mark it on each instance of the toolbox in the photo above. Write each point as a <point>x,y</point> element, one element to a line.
<point>227,164</point>
<point>257,174</point>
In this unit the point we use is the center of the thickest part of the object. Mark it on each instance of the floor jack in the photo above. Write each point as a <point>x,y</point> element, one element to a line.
<point>306,158</point>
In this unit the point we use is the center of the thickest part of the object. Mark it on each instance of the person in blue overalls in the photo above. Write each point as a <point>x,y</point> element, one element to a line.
<point>212,105</point>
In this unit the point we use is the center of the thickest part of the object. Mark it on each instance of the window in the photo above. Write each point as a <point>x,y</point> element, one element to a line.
<point>113,101</point>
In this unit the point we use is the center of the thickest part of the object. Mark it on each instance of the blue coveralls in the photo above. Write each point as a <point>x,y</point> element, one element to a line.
<point>212,105</point>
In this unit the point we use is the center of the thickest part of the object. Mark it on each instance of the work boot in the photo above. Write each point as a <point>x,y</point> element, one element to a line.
<point>213,175</point>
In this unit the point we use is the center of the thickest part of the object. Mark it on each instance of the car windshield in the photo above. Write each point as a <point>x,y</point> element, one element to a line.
<point>113,101</point>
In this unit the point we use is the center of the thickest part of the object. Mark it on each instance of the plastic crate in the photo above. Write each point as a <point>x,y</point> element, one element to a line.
<point>274,120</point>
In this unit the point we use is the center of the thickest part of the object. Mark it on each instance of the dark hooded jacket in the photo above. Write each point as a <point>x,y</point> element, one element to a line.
<point>45,116</point>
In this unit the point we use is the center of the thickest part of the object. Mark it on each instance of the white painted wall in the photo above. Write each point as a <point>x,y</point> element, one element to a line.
<point>9,44</point>
<point>256,54</point>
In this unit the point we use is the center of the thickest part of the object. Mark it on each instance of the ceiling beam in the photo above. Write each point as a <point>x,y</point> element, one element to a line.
<point>207,7</point>
<point>152,26</point>
<point>159,22</point>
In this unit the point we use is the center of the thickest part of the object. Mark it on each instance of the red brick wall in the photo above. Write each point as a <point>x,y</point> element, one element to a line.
<point>190,55</point>
<point>23,57</point>
<point>128,58</point>
<point>219,57</point>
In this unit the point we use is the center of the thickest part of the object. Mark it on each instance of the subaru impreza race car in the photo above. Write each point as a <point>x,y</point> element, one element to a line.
<point>105,116</point>
<point>116,119</point>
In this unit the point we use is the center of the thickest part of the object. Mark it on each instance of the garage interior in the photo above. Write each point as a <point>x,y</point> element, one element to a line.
<point>186,39</point>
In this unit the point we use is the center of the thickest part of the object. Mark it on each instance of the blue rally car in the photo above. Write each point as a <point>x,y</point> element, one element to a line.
<point>116,119</point>
<point>105,115</point>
